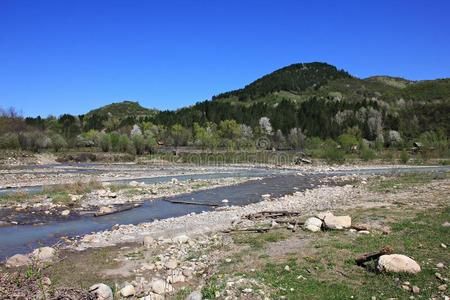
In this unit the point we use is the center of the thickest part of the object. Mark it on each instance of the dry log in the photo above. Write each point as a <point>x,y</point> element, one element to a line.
<point>258,230</point>
<point>361,260</point>
<point>271,214</point>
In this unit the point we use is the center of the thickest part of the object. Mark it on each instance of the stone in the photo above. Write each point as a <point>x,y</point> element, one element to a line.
<point>149,241</point>
<point>181,239</point>
<point>18,260</point>
<point>446,224</point>
<point>152,296</point>
<point>337,222</point>
<point>44,254</point>
<point>398,263</point>
<point>65,212</point>
<point>442,287</point>
<point>443,245</point>
<point>313,224</point>
<point>188,272</point>
<point>322,215</point>
<point>195,295</point>
<point>287,268</point>
<point>133,183</point>
<point>176,278</point>
<point>101,292</point>
<point>364,232</point>
<point>112,195</point>
<point>225,201</point>
<point>406,287</point>
<point>171,264</point>
<point>161,287</point>
<point>105,210</point>
<point>128,291</point>
<point>440,265</point>
<point>416,289</point>
<point>46,281</point>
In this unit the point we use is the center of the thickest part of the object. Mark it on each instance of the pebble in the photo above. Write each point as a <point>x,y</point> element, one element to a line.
<point>443,245</point>
<point>440,265</point>
<point>128,291</point>
<point>101,291</point>
<point>415,289</point>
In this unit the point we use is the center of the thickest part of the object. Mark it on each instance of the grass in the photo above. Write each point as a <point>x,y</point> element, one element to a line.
<point>79,187</point>
<point>332,274</point>
<point>258,240</point>
<point>404,181</point>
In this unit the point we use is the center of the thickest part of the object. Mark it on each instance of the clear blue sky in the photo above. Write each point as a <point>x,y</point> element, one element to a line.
<point>72,56</point>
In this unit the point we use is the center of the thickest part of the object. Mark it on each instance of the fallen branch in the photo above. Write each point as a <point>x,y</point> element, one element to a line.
<point>361,260</point>
<point>271,214</point>
<point>258,230</point>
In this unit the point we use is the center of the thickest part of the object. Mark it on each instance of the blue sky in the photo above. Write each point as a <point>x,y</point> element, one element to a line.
<point>72,56</point>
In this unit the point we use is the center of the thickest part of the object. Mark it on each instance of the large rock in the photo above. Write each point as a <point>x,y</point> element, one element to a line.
<point>337,222</point>
<point>160,286</point>
<point>44,254</point>
<point>128,291</point>
<point>149,242</point>
<point>181,239</point>
<point>18,260</point>
<point>101,291</point>
<point>313,224</point>
<point>195,295</point>
<point>398,263</point>
<point>323,215</point>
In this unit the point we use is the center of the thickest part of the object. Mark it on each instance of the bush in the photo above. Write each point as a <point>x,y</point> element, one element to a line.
<point>9,141</point>
<point>58,142</point>
<point>139,143</point>
<point>347,141</point>
<point>367,153</point>
<point>105,142</point>
<point>115,141</point>
<point>34,141</point>
<point>150,144</point>
<point>333,155</point>
<point>404,157</point>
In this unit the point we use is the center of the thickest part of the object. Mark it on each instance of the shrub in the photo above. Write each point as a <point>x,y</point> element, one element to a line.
<point>347,141</point>
<point>404,156</point>
<point>332,154</point>
<point>139,143</point>
<point>115,141</point>
<point>105,142</point>
<point>58,142</point>
<point>9,141</point>
<point>367,153</point>
<point>150,144</point>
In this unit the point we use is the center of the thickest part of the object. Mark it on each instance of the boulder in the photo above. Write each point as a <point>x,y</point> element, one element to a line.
<point>313,224</point>
<point>181,239</point>
<point>337,222</point>
<point>195,295</point>
<point>18,260</point>
<point>161,287</point>
<point>101,291</point>
<point>65,212</point>
<point>153,296</point>
<point>171,264</point>
<point>44,254</point>
<point>324,214</point>
<point>398,263</point>
<point>127,291</point>
<point>149,241</point>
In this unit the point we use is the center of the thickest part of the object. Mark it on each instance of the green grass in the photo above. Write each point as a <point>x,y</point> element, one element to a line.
<point>332,274</point>
<point>404,181</point>
<point>258,240</point>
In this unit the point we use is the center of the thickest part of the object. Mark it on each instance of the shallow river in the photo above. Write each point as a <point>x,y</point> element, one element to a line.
<point>24,238</point>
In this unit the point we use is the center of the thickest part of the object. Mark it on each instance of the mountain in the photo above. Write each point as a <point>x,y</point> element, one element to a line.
<point>122,110</point>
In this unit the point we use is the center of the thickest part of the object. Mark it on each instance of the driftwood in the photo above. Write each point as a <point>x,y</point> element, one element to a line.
<point>361,260</point>
<point>118,210</point>
<point>271,214</point>
<point>258,230</point>
<point>191,203</point>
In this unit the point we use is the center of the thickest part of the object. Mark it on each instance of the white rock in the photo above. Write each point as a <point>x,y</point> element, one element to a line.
<point>160,286</point>
<point>313,224</point>
<point>337,222</point>
<point>322,215</point>
<point>440,265</point>
<point>43,254</point>
<point>398,263</point>
<point>101,292</point>
<point>364,232</point>
<point>443,245</point>
<point>225,201</point>
<point>18,260</point>
<point>149,241</point>
<point>176,278</point>
<point>181,239</point>
<point>195,295</point>
<point>128,291</point>
<point>171,264</point>
<point>65,212</point>
<point>105,210</point>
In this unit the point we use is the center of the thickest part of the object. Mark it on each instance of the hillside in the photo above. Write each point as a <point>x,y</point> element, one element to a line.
<point>122,110</point>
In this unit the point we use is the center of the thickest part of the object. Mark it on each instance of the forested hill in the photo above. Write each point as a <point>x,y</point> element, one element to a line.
<point>315,100</point>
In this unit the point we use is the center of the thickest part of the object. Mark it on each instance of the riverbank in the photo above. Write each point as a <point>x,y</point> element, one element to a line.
<point>192,253</point>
